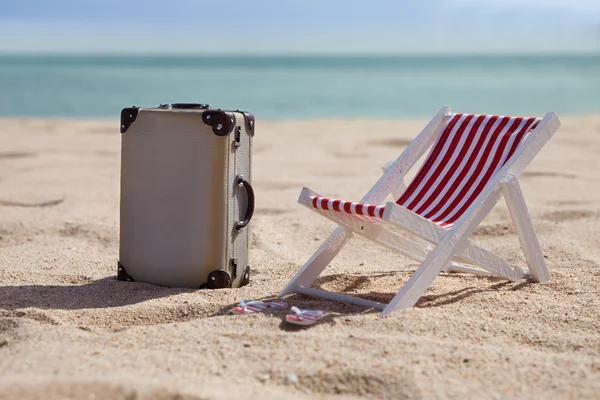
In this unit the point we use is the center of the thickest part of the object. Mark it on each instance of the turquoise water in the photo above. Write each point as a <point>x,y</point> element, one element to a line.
<point>301,87</point>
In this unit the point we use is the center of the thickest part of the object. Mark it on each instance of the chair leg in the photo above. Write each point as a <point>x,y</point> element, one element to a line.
<point>452,243</point>
<point>319,260</point>
<point>525,230</point>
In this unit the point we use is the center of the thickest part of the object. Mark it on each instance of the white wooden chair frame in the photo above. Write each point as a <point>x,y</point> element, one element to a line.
<point>451,246</point>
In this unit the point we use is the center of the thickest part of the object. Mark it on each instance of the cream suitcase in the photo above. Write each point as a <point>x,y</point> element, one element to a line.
<point>186,196</point>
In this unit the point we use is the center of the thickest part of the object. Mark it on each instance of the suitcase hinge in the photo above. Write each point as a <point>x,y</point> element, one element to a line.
<point>238,137</point>
<point>234,264</point>
<point>246,273</point>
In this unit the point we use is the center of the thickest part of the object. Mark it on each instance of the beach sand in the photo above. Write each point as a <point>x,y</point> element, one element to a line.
<point>70,330</point>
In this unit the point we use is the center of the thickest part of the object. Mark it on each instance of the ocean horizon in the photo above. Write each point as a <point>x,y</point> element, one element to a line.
<point>301,87</point>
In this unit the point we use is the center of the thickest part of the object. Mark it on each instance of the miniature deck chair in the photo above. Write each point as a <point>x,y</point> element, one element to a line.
<point>473,161</point>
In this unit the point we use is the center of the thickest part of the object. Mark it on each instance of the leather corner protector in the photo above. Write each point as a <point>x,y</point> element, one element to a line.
<point>217,279</point>
<point>128,116</point>
<point>250,121</point>
<point>122,274</point>
<point>221,122</point>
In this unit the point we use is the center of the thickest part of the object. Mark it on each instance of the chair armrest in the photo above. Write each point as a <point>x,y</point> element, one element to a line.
<point>386,166</point>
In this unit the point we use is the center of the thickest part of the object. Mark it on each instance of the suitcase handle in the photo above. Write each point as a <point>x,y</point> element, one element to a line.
<point>187,106</point>
<point>250,195</point>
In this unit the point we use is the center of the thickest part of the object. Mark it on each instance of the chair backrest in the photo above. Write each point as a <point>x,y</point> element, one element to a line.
<point>466,154</point>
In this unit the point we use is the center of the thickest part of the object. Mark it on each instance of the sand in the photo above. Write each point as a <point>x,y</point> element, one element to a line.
<point>70,330</point>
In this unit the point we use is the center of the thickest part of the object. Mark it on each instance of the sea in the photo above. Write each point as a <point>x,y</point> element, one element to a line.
<point>301,87</point>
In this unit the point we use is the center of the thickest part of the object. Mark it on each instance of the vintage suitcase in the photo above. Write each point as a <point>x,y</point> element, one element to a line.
<point>186,196</point>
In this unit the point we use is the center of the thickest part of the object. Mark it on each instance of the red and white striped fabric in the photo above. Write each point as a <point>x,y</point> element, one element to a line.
<point>468,152</point>
<point>365,212</point>
<point>464,157</point>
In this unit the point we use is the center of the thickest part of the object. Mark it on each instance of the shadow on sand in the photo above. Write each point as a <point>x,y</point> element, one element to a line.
<point>102,293</point>
<point>342,310</point>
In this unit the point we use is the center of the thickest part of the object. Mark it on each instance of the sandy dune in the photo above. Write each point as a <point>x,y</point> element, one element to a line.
<point>68,329</point>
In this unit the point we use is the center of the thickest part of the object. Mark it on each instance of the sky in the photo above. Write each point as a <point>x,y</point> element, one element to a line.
<point>299,26</point>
